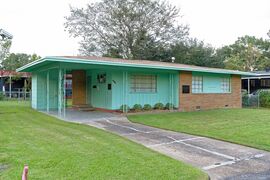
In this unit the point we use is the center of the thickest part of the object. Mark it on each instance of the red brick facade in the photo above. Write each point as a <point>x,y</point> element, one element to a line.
<point>191,101</point>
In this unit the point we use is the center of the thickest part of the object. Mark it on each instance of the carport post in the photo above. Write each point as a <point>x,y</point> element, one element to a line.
<point>64,89</point>
<point>248,86</point>
<point>48,91</point>
<point>60,93</point>
<point>10,86</point>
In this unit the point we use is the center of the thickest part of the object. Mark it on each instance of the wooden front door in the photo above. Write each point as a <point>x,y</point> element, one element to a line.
<point>78,87</point>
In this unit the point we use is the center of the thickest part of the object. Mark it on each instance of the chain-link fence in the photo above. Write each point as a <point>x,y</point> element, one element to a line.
<point>251,101</point>
<point>257,100</point>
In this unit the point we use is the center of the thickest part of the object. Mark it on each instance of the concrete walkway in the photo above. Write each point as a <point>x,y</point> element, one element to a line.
<point>221,160</point>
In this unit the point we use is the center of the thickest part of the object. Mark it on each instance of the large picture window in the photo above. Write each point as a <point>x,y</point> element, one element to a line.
<point>226,85</point>
<point>143,83</point>
<point>197,84</point>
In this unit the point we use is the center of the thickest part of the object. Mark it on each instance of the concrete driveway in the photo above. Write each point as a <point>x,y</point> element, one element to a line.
<point>221,160</point>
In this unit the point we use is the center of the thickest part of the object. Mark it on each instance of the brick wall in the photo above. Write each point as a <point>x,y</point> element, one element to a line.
<point>190,102</point>
<point>78,87</point>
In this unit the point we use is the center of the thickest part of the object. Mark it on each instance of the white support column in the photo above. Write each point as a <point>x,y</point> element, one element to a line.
<point>64,89</point>
<point>48,91</point>
<point>125,79</point>
<point>172,91</point>
<point>60,93</point>
<point>10,79</point>
<point>248,86</point>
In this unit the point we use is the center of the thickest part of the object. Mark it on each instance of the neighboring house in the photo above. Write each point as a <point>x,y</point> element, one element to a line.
<point>12,83</point>
<point>257,80</point>
<point>109,83</point>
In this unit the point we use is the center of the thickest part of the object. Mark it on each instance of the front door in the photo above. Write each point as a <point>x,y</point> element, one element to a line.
<point>78,87</point>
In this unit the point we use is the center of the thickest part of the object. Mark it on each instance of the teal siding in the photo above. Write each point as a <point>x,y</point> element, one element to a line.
<point>53,89</point>
<point>100,96</point>
<point>165,91</point>
<point>34,91</point>
<point>212,82</point>
<point>41,89</point>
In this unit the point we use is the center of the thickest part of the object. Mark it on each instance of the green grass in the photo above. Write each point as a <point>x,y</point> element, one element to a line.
<point>55,149</point>
<point>249,127</point>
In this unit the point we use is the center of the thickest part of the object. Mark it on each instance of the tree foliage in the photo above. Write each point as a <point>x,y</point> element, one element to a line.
<point>14,61</point>
<point>132,29</point>
<point>5,44</point>
<point>195,52</point>
<point>248,53</point>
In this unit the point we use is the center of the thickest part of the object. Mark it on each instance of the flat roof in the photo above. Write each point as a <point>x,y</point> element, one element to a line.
<point>128,63</point>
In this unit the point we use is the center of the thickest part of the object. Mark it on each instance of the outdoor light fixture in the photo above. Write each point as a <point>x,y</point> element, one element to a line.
<point>4,34</point>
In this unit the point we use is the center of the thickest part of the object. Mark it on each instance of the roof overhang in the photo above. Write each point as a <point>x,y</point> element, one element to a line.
<point>31,66</point>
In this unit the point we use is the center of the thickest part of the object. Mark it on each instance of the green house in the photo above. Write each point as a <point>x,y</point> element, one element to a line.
<point>108,83</point>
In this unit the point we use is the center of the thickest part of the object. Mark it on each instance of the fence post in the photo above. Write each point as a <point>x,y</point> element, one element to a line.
<point>25,172</point>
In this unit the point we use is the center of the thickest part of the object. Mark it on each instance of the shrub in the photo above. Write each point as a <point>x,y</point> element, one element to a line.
<point>124,107</point>
<point>159,106</point>
<point>137,107</point>
<point>147,107</point>
<point>1,96</point>
<point>265,99</point>
<point>169,106</point>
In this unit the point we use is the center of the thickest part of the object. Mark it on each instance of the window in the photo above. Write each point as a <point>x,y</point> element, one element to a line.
<point>197,84</point>
<point>143,83</point>
<point>265,83</point>
<point>226,85</point>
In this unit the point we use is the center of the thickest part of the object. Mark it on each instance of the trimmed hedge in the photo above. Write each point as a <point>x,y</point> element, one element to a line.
<point>265,99</point>
<point>169,106</point>
<point>159,106</point>
<point>147,107</point>
<point>125,107</point>
<point>137,107</point>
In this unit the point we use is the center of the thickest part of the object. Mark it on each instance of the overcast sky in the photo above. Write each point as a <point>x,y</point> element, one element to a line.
<point>37,26</point>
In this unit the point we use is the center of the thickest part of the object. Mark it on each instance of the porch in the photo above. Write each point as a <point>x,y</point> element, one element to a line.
<point>100,87</point>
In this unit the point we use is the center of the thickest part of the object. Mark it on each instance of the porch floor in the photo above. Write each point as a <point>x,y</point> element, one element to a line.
<point>73,115</point>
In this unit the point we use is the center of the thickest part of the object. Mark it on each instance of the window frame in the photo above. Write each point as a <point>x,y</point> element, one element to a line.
<point>226,88</point>
<point>138,88</point>
<point>196,83</point>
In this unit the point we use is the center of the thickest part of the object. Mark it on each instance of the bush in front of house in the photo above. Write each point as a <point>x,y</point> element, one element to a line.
<point>137,107</point>
<point>265,99</point>
<point>147,107</point>
<point>159,106</point>
<point>124,107</point>
<point>169,106</point>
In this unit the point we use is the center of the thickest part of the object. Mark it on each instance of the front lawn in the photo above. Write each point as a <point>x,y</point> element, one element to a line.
<point>249,127</point>
<point>55,149</point>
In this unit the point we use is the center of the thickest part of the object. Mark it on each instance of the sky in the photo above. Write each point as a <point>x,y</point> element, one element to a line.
<point>37,25</point>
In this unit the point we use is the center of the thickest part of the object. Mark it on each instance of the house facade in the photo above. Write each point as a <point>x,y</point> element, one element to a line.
<point>108,83</point>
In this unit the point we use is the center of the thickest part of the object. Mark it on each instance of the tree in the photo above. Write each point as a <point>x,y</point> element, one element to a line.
<point>132,29</point>
<point>14,61</point>
<point>248,53</point>
<point>5,44</point>
<point>195,52</point>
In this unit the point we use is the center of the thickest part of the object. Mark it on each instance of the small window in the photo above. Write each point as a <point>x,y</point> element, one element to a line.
<point>185,89</point>
<point>226,85</point>
<point>143,83</point>
<point>197,84</point>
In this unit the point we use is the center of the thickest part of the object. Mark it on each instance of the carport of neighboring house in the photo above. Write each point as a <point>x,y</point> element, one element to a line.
<point>101,86</point>
<point>108,83</point>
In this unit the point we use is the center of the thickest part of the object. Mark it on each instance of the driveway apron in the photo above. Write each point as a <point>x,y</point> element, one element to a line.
<point>221,160</point>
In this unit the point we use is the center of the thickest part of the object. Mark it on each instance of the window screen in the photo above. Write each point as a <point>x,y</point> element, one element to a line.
<point>226,85</point>
<point>143,83</point>
<point>197,84</point>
